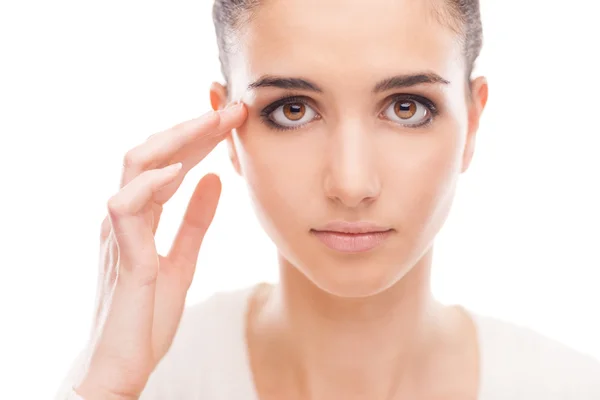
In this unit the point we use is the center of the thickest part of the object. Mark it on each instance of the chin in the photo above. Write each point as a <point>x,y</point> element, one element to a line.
<point>353,276</point>
<point>346,275</point>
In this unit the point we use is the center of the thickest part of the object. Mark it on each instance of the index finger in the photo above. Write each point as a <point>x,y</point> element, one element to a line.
<point>165,148</point>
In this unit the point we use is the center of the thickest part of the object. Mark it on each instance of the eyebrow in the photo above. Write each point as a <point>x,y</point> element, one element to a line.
<point>405,81</point>
<point>394,82</point>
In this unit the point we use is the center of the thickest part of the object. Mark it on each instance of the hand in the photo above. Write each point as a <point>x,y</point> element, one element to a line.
<point>141,294</point>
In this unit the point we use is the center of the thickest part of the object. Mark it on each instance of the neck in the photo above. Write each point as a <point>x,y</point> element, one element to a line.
<point>362,346</point>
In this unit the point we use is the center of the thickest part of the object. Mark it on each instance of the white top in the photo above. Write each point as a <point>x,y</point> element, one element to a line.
<point>208,360</point>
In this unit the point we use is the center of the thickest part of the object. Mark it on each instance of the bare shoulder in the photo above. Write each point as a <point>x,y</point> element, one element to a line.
<point>521,362</point>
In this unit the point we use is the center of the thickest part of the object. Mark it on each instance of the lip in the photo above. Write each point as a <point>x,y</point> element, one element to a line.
<point>352,237</point>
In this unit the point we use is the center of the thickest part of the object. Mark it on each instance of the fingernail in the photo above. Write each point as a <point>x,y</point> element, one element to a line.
<point>174,167</point>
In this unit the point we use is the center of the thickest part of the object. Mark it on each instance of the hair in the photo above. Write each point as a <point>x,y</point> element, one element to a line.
<point>462,16</point>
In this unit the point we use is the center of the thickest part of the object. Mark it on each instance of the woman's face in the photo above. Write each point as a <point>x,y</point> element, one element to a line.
<point>363,117</point>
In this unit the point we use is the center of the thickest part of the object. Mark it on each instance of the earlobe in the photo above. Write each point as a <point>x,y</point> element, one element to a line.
<point>479,96</point>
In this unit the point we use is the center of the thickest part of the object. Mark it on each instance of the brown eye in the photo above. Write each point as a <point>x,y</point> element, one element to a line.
<point>408,112</point>
<point>405,109</point>
<point>293,115</point>
<point>294,111</point>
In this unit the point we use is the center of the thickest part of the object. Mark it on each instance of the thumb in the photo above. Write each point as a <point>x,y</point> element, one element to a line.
<point>198,217</point>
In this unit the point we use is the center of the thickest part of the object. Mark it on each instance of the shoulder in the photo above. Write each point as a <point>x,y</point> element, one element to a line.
<point>209,341</point>
<point>522,363</point>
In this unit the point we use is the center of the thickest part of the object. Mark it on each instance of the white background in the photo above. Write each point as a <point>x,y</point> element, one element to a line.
<point>82,82</point>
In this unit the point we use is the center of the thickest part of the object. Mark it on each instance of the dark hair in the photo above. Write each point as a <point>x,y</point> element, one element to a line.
<point>462,16</point>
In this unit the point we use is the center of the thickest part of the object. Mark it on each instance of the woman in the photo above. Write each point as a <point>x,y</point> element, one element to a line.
<point>351,122</point>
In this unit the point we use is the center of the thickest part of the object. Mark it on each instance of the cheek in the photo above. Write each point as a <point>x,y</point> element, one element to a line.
<point>280,169</point>
<point>421,174</point>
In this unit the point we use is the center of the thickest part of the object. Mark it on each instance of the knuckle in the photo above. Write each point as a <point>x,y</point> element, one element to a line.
<point>132,158</point>
<point>116,206</point>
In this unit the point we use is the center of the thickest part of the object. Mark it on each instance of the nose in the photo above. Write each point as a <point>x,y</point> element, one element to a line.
<point>351,177</point>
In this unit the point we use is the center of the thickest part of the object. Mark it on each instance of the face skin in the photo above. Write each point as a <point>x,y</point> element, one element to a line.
<point>354,325</point>
<point>354,156</point>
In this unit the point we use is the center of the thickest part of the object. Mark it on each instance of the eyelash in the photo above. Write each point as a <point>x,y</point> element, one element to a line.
<point>264,114</point>
<point>430,105</point>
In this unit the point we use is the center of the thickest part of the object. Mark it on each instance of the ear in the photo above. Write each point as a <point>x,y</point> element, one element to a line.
<point>477,102</point>
<point>218,101</point>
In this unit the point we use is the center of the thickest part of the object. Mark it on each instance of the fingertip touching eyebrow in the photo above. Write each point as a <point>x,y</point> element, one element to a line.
<point>394,82</point>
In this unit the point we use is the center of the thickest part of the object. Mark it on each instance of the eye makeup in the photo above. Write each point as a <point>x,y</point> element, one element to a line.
<point>429,105</point>
<point>266,112</point>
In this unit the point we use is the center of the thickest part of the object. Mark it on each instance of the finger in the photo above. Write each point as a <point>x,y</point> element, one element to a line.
<point>157,210</point>
<point>105,229</point>
<point>126,333</point>
<point>177,271</point>
<point>161,146</point>
<point>198,136</point>
<point>198,217</point>
<point>192,154</point>
<point>129,212</point>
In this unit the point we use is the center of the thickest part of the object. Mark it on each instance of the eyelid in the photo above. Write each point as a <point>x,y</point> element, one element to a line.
<point>414,97</point>
<point>309,102</point>
<point>265,113</point>
<point>299,98</point>
<point>291,98</point>
<point>425,102</point>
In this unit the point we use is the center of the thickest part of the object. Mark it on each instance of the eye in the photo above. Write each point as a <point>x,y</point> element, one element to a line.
<point>292,114</point>
<point>410,112</point>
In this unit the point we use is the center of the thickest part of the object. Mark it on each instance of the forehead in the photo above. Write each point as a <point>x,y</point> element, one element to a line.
<point>347,39</point>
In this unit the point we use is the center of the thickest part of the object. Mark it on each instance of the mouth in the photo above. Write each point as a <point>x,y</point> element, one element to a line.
<point>352,237</point>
